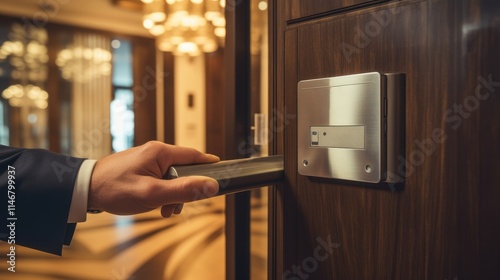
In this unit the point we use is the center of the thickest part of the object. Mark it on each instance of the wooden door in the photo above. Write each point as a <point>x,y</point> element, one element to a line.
<point>445,222</point>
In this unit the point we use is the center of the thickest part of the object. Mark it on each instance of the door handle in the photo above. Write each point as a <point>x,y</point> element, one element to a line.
<point>235,175</point>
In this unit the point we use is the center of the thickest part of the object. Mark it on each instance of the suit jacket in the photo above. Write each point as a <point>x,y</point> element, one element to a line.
<point>41,187</point>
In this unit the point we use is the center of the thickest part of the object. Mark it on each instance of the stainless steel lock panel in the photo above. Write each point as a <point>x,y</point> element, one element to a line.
<point>342,127</point>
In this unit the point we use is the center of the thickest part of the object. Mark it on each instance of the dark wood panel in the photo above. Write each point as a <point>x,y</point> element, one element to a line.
<point>168,100</point>
<point>369,224</point>
<point>291,216</point>
<point>55,94</point>
<point>236,134</point>
<point>145,85</point>
<point>444,223</point>
<point>297,9</point>
<point>477,125</point>
<point>275,208</point>
<point>214,63</point>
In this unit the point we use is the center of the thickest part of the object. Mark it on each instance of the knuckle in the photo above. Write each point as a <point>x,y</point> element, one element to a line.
<point>152,149</point>
<point>152,145</point>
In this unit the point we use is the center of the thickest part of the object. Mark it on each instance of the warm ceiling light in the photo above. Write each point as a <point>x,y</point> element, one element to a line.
<point>188,26</point>
<point>155,10</point>
<point>156,16</point>
<point>220,32</point>
<point>262,5</point>
<point>188,48</point>
<point>219,21</point>
<point>94,61</point>
<point>157,30</point>
<point>35,95</point>
<point>148,23</point>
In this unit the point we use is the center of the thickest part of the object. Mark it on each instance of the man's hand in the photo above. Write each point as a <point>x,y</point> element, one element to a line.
<point>130,182</point>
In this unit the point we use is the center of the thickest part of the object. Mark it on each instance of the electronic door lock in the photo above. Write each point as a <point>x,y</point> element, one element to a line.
<point>352,127</point>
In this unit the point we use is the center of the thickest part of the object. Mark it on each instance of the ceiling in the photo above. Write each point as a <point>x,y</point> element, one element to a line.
<point>119,16</point>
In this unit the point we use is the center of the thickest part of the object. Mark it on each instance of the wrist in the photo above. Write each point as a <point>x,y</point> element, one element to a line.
<point>92,201</point>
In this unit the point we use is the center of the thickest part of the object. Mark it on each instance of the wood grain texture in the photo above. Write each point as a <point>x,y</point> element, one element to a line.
<point>290,212</point>
<point>296,9</point>
<point>275,213</point>
<point>55,88</point>
<point>479,132</point>
<point>168,100</point>
<point>444,223</point>
<point>144,72</point>
<point>236,135</point>
<point>214,65</point>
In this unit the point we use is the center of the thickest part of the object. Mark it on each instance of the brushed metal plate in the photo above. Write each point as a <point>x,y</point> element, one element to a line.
<point>344,101</point>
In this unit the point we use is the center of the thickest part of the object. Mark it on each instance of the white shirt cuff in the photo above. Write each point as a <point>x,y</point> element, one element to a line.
<point>78,208</point>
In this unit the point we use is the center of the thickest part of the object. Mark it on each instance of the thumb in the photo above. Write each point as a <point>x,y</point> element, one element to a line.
<point>186,189</point>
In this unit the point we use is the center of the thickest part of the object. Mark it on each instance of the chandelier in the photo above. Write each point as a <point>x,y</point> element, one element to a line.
<point>27,54</point>
<point>18,95</point>
<point>185,27</point>
<point>81,64</point>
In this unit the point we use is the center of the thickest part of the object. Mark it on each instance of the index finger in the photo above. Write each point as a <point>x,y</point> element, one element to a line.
<point>185,155</point>
<point>167,155</point>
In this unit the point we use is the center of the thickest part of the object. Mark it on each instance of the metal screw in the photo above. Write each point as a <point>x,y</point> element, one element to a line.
<point>368,168</point>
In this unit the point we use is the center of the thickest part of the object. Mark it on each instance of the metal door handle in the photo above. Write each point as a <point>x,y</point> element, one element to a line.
<point>235,175</point>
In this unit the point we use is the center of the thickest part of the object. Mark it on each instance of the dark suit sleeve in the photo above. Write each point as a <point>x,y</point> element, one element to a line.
<point>44,184</point>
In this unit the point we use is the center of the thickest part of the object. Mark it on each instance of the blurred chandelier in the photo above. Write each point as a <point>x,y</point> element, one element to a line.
<point>82,64</point>
<point>185,27</point>
<point>18,95</point>
<point>27,54</point>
